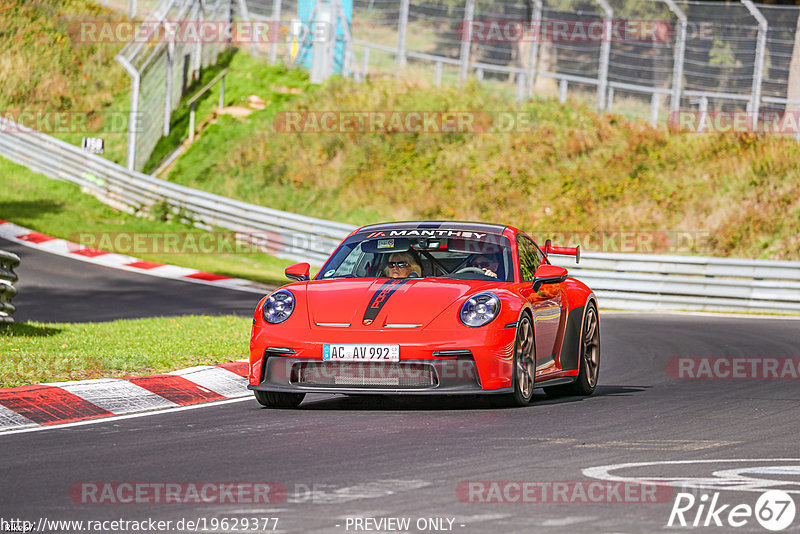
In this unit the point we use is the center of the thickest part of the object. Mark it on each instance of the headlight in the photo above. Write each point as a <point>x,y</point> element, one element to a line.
<point>278,306</point>
<point>480,309</point>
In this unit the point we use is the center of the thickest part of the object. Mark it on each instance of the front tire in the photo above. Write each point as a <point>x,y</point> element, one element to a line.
<point>523,375</point>
<point>277,399</point>
<point>589,361</point>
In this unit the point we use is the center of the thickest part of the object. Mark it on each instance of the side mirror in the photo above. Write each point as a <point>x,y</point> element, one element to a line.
<point>298,272</point>
<point>548,274</point>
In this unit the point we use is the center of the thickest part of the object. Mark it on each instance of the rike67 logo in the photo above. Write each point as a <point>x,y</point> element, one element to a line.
<point>774,510</point>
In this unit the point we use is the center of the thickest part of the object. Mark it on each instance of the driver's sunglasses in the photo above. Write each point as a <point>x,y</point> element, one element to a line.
<point>483,265</point>
<point>400,264</point>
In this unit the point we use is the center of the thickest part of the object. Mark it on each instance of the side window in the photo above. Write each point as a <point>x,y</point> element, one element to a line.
<point>529,258</point>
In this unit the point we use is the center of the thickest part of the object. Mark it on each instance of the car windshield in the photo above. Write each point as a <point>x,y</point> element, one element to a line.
<point>478,257</point>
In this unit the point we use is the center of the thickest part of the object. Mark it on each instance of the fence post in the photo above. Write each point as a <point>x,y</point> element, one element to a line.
<point>605,54</point>
<point>437,74</point>
<point>168,91</point>
<point>758,68</point>
<point>131,9</point>
<point>610,99</point>
<point>402,28</point>
<point>276,26</point>
<point>521,84</point>
<point>533,56</point>
<point>680,53</point>
<point>562,90</point>
<point>466,41</point>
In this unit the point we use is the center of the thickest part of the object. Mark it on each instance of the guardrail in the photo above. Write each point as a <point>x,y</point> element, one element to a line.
<point>622,281</point>
<point>283,234</point>
<point>8,261</point>
<point>654,282</point>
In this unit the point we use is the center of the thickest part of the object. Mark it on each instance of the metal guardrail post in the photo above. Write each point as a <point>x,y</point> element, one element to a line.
<point>533,55</point>
<point>703,108</point>
<point>466,41</point>
<point>134,112</point>
<point>758,68</point>
<point>605,54</point>
<point>655,103</point>
<point>562,90</point>
<point>275,30</point>
<point>8,261</point>
<point>678,57</point>
<point>402,28</point>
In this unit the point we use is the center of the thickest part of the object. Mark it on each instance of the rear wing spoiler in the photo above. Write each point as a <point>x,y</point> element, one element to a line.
<point>562,251</point>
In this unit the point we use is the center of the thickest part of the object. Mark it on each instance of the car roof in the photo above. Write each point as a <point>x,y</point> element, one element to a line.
<point>436,225</point>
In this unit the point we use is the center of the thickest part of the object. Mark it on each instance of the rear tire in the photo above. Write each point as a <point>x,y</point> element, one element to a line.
<point>523,375</point>
<point>277,399</point>
<point>589,361</point>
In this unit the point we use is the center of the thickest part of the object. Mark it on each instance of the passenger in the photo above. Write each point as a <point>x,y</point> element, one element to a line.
<point>402,265</point>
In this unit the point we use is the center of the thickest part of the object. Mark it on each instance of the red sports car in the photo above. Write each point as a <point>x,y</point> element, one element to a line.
<point>428,308</point>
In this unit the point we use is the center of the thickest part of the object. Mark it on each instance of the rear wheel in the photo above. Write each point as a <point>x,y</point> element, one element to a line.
<point>277,399</point>
<point>523,375</point>
<point>589,361</point>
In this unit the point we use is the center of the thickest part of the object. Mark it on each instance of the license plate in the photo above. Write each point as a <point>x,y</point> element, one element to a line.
<point>361,353</point>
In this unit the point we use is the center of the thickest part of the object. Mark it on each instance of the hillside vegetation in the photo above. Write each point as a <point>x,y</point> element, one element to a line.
<point>576,170</point>
<point>45,70</point>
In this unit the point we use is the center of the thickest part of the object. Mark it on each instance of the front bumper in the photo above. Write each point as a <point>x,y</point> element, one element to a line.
<point>476,360</point>
<point>409,377</point>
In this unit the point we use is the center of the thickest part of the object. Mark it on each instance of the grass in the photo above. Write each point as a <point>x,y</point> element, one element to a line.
<point>577,170</point>
<point>60,209</point>
<point>248,76</point>
<point>38,352</point>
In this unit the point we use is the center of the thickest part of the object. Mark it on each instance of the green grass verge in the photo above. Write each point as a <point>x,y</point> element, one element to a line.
<point>49,352</point>
<point>60,209</point>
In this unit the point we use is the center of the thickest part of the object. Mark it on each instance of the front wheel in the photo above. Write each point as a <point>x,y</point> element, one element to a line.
<point>277,399</point>
<point>524,370</point>
<point>589,361</point>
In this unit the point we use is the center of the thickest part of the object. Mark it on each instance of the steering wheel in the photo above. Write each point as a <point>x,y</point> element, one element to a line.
<point>476,270</point>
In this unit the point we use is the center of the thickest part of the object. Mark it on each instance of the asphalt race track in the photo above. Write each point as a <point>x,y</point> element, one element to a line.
<point>53,288</point>
<point>353,462</point>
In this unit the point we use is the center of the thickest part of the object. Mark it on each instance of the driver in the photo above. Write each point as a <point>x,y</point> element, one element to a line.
<point>402,265</point>
<point>486,263</point>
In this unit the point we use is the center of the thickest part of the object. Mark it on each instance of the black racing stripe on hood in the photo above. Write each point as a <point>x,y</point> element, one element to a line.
<point>380,297</point>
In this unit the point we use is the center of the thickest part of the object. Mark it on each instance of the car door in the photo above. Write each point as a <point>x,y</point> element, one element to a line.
<point>545,304</point>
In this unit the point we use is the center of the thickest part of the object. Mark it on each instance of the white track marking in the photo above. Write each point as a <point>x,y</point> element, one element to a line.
<point>718,480</point>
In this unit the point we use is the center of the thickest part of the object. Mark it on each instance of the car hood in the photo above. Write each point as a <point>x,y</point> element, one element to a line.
<point>376,302</point>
